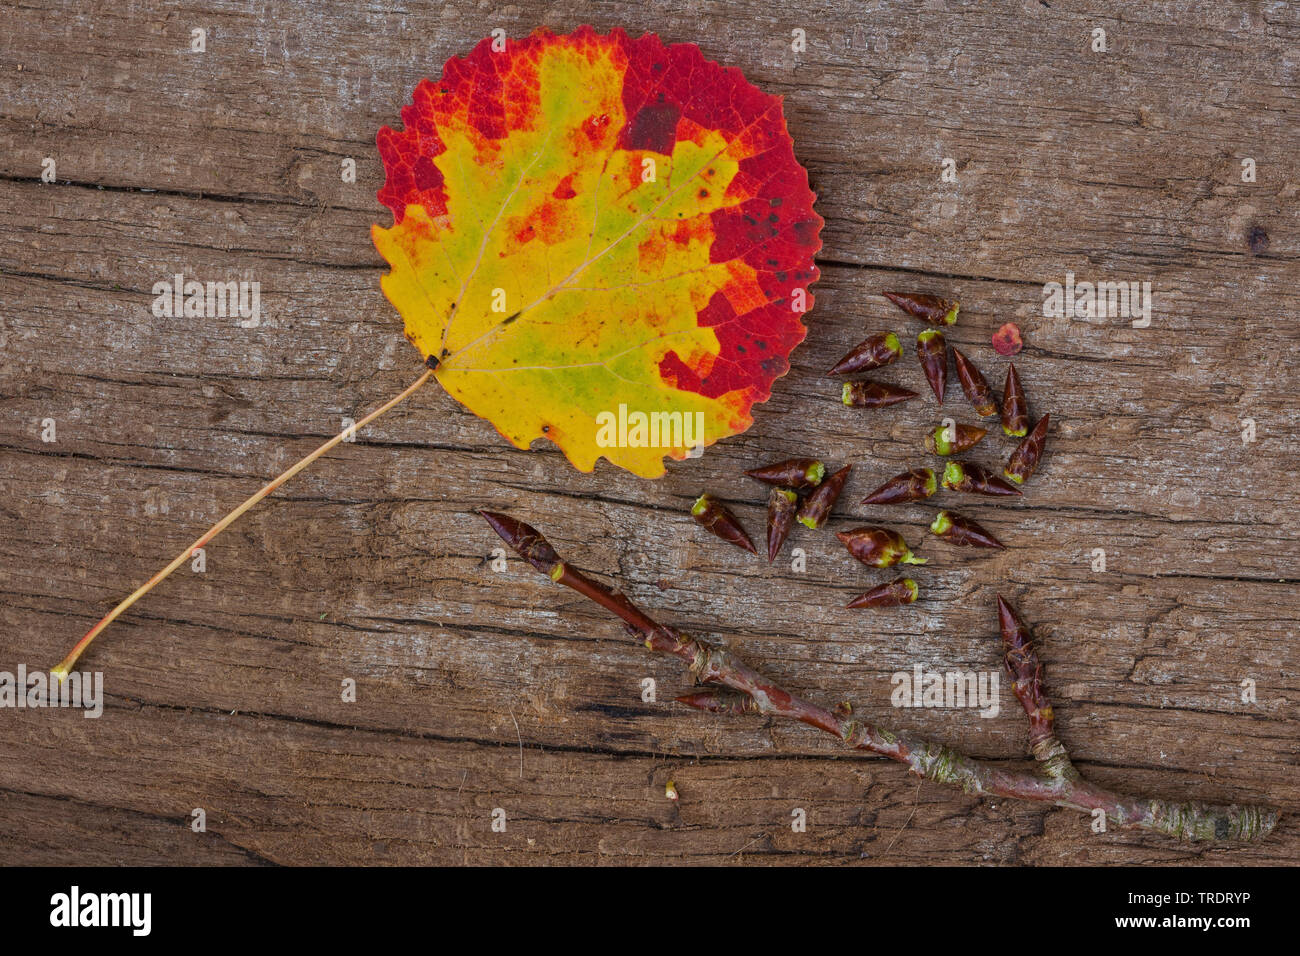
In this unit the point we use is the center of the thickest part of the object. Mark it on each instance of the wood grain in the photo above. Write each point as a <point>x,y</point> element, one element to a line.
<point>479,689</point>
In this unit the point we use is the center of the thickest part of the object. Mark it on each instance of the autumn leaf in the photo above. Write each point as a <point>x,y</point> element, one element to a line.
<point>587,225</point>
<point>587,221</point>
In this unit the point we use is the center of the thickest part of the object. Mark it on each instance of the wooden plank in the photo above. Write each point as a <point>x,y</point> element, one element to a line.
<point>224,687</point>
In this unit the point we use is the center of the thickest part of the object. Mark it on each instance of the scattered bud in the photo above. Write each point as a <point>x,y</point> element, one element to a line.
<point>791,473</point>
<point>713,515</point>
<point>874,394</point>
<point>976,480</point>
<point>913,485</point>
<point>933,354</point>
<point>1024,460</point>
<point>927,308</point>
<point>973,384</point>
<point>894,594</point>
<point>876,352</point>
<point>953,527</point>
<point>782,504</point>
<point>814,512</point>
<point>1015,408</point>
<point>953,440</point>
<point>878,547</point>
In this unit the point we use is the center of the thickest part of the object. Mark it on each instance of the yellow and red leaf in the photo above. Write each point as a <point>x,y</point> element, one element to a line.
<point>587,221</point>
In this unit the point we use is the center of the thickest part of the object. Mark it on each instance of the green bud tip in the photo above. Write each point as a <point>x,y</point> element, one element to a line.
<point>557,572</point>
<point>912,589</point>
<point>701,505</point>
<point>940,438</point>
<point>1014,433</point>
<point>951,317</point>
<point>1010,476</point>
<point>848,390</point>
<point>952,474</point>
<point>810,523</point>
<point>927,335</point>
<point>815,473</point>
<point>910,558</point>
<point>892,343</point>
<point>789,495</point>
<point>941,523</point>
<point>931,482</point>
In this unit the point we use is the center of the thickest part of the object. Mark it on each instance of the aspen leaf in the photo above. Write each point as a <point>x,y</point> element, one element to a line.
<point>587,227</point>
<point>549,280</point>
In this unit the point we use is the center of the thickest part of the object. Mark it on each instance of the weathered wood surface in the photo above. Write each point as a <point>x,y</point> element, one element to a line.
<point>224,688</point>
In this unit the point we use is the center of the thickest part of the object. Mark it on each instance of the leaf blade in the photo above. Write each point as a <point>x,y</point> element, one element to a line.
<point>559,284</point>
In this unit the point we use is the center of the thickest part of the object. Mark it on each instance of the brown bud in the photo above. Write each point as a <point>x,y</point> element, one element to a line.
<point>894,594</point>
<point>874,394</point>
<point>814,512</point>
<point>782,504</point>
<point>973,384</point>
<point>878,547</point>
<point>1024,460</point>
<point>953,527</point>
<point>1015,409</point>
<point>912,485</point>
<point>926,307</point>
<point>976,480</point>
<point>876,352</point>
<point>712,514</point>
<point>933,355</point>
<point>791,473</point>
<point>953,439</point>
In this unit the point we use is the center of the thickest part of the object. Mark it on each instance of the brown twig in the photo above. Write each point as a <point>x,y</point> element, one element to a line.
<point>737,689</point>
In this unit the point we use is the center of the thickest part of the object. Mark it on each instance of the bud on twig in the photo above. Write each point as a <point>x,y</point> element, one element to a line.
<point>719,700</point>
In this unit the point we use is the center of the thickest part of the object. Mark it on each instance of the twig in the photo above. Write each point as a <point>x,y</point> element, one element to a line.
<point>736,688</point>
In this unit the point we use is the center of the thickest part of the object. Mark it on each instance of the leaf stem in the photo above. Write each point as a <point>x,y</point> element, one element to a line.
<point>61,672</point>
